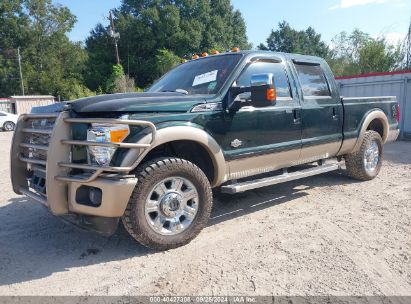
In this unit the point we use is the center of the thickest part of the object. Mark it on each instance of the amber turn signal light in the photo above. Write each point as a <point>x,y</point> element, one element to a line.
<point>205,54</point>
<point>271,95</point>
<point>215,52</point>
<point>195,56</point>
<point>117,136</point>
<point>235,49</point>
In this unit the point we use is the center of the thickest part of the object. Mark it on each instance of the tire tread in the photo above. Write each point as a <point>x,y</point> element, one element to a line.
<point>145,174</point>
<point>354,162</point>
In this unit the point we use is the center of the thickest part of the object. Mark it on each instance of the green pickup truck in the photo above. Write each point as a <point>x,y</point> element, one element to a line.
<point>234,121</point>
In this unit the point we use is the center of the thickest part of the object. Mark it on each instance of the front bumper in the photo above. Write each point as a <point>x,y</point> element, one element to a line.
<point>63,190</point>
<point>115,195</point>
<point>114,198</point>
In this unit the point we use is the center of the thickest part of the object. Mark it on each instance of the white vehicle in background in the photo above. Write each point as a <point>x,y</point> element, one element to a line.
<point>8,121</point>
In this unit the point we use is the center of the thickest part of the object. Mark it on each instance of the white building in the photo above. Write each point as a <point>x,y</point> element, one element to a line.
<point>23,104</point>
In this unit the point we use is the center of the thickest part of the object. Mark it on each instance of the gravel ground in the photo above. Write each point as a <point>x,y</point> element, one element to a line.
<point>324,235</point>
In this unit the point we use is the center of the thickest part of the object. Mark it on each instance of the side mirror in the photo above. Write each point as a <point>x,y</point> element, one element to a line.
<point>263,92</point>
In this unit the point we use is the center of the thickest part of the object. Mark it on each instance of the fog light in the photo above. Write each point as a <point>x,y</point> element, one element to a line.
<point>89,196</point>
<point>95,196</point>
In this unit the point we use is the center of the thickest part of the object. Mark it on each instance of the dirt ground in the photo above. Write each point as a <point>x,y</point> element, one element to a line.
<point>324,235</point>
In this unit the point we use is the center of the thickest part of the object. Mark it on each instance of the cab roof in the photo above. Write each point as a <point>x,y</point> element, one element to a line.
<point>280,55</point>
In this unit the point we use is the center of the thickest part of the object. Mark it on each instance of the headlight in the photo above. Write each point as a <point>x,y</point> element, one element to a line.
<point>104,133</point>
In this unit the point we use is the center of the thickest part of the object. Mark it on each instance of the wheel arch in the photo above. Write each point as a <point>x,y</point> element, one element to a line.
<point>374,120</point>
<point>179,137</point>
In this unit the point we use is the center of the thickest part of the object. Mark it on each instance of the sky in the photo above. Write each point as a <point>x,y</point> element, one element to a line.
<point>388,18</point>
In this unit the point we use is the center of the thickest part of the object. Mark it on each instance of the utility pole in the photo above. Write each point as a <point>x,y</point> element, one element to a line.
<point>21,74</point>
<point>115,37</point>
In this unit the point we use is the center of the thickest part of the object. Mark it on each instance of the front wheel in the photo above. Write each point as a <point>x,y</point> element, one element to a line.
<point>170,204</point>
<point>365,164</point>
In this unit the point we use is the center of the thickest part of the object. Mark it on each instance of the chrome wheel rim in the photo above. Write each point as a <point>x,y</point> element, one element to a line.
<point>171,206</point>
<point>371,157</point>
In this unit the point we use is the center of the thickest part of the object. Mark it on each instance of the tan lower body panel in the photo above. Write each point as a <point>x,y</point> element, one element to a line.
<point>321,151</point>
<point>347,146</point>
<point>250,166</point>
<point>115,197</point>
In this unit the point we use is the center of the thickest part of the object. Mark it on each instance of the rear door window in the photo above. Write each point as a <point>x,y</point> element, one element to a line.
<point>312,80</point>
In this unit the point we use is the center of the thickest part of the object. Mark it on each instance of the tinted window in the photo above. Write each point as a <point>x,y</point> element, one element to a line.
<point>265,67</point>
<point>312,80</point>
<point>201,76</point>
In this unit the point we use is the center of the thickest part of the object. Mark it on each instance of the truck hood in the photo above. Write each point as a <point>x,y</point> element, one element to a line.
<point>137,102</point>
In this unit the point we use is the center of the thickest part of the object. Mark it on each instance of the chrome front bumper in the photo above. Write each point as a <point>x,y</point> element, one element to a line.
<point>61,185</point>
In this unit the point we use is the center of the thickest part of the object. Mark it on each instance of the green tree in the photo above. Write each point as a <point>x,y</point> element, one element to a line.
<point>77,90</point>
<point>119,82</point>
<point>288,40</point>
<point>51,63</point>
<point>100,59</point>
<point>166,60</point>
<point>349,45</point>
<point>182,27</point>
<point>14,23</point>
<point>358,53</point>
<point>378,56</point>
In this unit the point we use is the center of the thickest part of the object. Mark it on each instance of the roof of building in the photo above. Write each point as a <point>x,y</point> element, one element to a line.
<point>31,96</point>
<point>373,74</point>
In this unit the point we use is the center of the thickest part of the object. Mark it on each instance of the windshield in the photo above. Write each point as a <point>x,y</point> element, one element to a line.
<point>203,76</point>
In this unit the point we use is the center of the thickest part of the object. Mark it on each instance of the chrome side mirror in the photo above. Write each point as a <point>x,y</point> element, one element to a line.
<point>263,92</point>
<point>262,79</point>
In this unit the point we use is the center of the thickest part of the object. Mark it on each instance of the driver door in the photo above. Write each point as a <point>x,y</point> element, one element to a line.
<point>258,140</point>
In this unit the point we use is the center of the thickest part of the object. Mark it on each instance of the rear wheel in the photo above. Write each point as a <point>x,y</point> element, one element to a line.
<point>170,204</point>
<point>365,164</point>
<point>9,126</point>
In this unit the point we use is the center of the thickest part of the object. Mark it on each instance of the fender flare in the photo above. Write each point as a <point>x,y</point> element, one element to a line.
<point>368,118</point>
<point>187,133</point>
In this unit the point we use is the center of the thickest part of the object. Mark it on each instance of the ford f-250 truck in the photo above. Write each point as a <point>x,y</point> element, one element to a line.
<point>236,121</point>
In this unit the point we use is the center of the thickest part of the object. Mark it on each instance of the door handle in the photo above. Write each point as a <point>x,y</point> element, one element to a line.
<point>296,115</point>
<point>335,116</point>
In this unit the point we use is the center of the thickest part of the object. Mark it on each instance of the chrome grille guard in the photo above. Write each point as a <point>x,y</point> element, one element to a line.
<point>98,170</point>
<point>61,133</point>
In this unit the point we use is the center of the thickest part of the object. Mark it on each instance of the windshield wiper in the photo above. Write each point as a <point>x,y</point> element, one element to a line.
<point>181,91</point>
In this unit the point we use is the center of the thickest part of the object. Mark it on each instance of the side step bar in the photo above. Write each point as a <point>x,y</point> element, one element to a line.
<point>285,177</point>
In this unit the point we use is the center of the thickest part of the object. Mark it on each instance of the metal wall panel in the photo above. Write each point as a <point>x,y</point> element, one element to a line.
<point>398,85</point>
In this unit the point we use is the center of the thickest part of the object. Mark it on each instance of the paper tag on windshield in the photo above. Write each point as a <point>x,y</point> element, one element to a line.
<point>205,78</point>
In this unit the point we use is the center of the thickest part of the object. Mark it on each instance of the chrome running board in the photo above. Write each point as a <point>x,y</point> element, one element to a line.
<point>285,177</point>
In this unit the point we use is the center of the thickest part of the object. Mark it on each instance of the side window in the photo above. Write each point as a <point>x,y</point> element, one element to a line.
<point>312,80</point>
<point>265,67</point>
